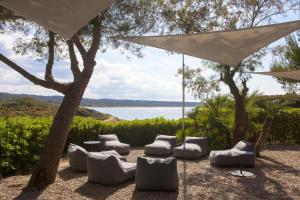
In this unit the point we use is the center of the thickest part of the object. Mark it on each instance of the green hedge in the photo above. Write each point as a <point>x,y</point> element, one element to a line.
<point>286,127</point>
<point>22,138</point>
<point>21,142</point>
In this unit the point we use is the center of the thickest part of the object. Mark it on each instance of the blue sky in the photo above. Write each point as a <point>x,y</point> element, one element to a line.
<point>152,77</point>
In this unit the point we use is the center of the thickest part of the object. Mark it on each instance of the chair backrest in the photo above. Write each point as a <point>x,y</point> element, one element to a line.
<point>245,146</point>
<point>103,168</point>
<point>77,157</point>
<point>194,140</point>
<point>73,147</point>
<point>167,138</point>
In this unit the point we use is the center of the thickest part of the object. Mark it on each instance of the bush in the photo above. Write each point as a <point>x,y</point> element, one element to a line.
<point>286,127</point>
<point>22,138</point>
<point>21,142</point>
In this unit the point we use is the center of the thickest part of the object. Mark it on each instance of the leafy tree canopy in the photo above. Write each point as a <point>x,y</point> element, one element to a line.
<point>287,58</point>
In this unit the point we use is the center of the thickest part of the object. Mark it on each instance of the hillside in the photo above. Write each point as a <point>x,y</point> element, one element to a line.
<point>86,102</point>
<point>27,106</point>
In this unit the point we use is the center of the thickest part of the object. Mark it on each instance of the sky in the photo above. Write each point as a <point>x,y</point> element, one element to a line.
<point>152,77</point>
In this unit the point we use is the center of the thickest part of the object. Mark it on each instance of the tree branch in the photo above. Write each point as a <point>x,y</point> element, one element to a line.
<point>96,37</point>
<point>51,43</point>
<point>228,79</point>
<point>79,46</point>
<point>74,62</point>
<point>245,88</point>
<point>62,88</point>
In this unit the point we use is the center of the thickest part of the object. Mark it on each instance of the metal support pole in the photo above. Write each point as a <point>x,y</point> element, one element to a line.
<point>183,97</point>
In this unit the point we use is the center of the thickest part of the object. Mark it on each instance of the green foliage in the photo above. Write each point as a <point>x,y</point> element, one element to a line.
<point>287,59</point>
<point>215,119</point>
<point>286,126</point>
<point>22,138</point>
<point>21,142</point>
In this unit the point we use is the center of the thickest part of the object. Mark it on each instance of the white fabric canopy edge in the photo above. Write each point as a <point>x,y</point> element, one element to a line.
<point>293,75</point>
<point>63,17</point>
<point>221,47</point>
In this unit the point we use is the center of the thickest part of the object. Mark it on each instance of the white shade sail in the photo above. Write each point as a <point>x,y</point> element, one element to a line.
<point>224,47</point>
<point>64,17</point>
<point>294,75</point>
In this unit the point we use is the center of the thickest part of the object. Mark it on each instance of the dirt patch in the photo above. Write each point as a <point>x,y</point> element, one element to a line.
<point>277,176</point>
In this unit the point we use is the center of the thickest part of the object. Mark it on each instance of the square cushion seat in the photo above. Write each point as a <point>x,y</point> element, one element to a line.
<point>162,146</point>
<point>120,147</point>
<point>192,148</point>
<point>243,153</point>
<point>108,169</point>
<point>77,158</point>
<point>156,174</point>
<point>159,148</point>
<point>111,142</point>
<point>188,151</point>
<point>78,155</point>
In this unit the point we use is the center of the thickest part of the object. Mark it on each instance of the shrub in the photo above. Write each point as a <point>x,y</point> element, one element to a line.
<point>22,138</point>
<point>21,142</point>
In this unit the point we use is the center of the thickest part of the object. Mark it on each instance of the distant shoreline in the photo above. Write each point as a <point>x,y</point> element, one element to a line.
<point>91,107</point>
<point>87,102</point>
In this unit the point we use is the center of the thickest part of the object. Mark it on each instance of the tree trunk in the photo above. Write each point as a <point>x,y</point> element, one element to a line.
<point>45,171</point>
<point>241,115</point>
<point>260,143</point>
<point>240,120</point>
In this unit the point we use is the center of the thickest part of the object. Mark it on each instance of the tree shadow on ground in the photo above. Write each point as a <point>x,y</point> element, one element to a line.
<point>99,192</point>
<point>29,194</point>
<point>67,174</point>
<point>262,186</point>
<point>209,180</point>
<point>141,195</point>
<point>192,160</point>
<point>218,183</point>
<point>276,165</point>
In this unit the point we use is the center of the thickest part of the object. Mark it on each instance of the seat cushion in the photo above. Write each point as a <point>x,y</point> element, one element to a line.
<point>110,153</point>
<point>159,148</point>
<point>156,174</point>
<point>167,138</point>
<point>232,157</point>
<point>108,169</point>
<point>188,151</point>
<point>120,147</point>
<point>77,157</point>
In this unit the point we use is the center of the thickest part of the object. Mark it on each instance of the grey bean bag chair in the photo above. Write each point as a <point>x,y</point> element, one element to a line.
<point>163,145</point>
<point>77,157</point>
<point>108,169</point>
<point>243,153</point>
<point>156,174</point>
<point>110,153</point>
<point>111,142</point>
<point>192,148</point>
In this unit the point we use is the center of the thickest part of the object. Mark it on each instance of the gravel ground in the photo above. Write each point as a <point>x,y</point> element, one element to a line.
<point>277,176</point>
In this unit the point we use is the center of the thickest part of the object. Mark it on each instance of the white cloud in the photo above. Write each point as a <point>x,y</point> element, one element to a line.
<point>152,77</point>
